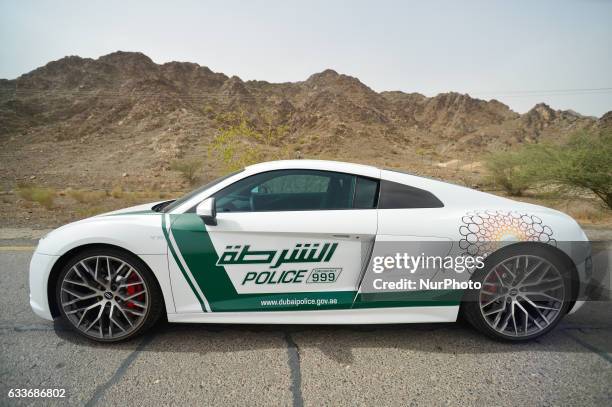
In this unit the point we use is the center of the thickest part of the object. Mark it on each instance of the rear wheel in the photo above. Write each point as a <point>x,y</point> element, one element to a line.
<point>525,292</point>
<point>108,295</point>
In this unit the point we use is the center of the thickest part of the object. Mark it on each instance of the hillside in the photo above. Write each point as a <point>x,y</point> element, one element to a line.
<point>85,122</point>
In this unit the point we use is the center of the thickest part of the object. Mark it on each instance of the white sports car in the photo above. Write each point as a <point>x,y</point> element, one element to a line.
<point>315,242</point>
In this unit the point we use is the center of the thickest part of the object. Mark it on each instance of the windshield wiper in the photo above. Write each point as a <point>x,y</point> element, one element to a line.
<point>160,206</point>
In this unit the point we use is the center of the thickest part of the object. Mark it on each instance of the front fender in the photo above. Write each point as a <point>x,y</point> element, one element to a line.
<point>140,234</point>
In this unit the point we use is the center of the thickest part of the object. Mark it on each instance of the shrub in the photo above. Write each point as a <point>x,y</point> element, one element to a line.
<point>34,193</point>
<point>117,192</point>
<point>189,169</point>
<point>76,194</point>
<point>88,212</point>
<point>510,171</point>
<point>83,196</point>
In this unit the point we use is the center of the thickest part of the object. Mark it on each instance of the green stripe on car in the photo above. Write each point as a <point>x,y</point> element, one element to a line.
<point>180,266</point>
<point>196,248</point>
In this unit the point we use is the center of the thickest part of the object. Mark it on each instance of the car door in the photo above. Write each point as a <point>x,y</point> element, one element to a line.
<point>290,239</point>
<point>412,225</point>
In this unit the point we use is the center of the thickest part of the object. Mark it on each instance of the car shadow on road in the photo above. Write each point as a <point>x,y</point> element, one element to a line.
<point>342,343</point>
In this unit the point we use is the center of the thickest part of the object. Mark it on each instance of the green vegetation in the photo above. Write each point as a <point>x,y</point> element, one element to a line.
<point>584,163</point>
<point>509,170</point>
<point>189,169</point>
<point>240,142</point>
<point>33,193</point>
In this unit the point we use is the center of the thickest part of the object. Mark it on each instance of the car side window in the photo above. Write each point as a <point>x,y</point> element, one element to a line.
<point>366,193</point>
<point>288,190</point>
<point>295,183</point>
<point>394,195</point>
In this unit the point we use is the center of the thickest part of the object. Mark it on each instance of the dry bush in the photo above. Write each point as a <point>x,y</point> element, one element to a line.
<point>189,169</point>
<point>585,212</point>
<point>86,197</point>
<point>76,194</point>
<point>155,194</point>
<point>88,212</point>
<point>41,195</point>
<point>138,197</point>
<point>117,192</point>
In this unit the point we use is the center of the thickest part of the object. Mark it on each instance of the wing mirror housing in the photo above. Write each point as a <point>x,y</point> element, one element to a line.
<point>207,211</point>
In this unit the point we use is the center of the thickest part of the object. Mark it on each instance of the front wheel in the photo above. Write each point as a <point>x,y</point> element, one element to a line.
<point>525,292</point>
<point>108,295</point>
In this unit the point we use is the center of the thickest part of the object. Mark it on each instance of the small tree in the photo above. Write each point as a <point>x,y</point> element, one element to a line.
<point>584,163</point>
<point>239,142</point>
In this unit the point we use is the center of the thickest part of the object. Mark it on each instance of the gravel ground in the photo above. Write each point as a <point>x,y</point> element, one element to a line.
<point>420,364</point>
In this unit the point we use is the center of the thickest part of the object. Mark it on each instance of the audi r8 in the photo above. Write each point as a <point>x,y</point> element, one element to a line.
<point>314,242</point>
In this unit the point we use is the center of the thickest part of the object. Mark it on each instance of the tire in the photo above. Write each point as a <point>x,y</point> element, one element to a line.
<point>526,290</point>
<point>108,295</point>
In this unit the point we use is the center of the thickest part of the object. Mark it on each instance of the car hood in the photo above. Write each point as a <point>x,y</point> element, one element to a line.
<point>129,228</point>
<point>142,209</point>
<point>132,210</point>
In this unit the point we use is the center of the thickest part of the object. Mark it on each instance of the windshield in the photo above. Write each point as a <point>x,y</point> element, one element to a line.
<point>196,191</point>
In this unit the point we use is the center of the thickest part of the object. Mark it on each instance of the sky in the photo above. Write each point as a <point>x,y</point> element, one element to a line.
<point>518,52</point>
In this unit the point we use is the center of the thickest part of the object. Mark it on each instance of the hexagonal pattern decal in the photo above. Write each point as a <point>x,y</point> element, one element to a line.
<point>482,230</point>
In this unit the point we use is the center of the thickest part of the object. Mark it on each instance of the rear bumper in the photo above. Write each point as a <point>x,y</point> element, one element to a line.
<point>40,268</point>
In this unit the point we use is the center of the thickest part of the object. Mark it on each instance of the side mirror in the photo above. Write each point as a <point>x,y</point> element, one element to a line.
<point>207,211</point>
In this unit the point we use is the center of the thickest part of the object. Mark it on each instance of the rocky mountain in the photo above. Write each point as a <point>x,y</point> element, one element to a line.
<point>92,119</point>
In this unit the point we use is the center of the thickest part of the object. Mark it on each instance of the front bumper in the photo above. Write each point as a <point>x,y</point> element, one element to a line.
<point>585,274</point>
<point>40,268</point>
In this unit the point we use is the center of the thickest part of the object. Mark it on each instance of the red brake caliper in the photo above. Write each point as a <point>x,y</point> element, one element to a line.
<point>133,289</point>
<point>492,279</point>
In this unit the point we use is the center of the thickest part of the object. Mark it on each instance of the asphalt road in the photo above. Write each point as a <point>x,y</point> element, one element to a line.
<point>421,364</point>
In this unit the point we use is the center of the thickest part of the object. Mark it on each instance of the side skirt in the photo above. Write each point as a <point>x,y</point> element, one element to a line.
<point>326,317</point>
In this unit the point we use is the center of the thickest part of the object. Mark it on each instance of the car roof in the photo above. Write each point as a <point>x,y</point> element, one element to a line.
<point>324,165</point>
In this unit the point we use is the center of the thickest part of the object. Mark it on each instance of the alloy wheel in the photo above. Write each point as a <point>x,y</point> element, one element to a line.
<point>522,295</point>
<point>104,297</point>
